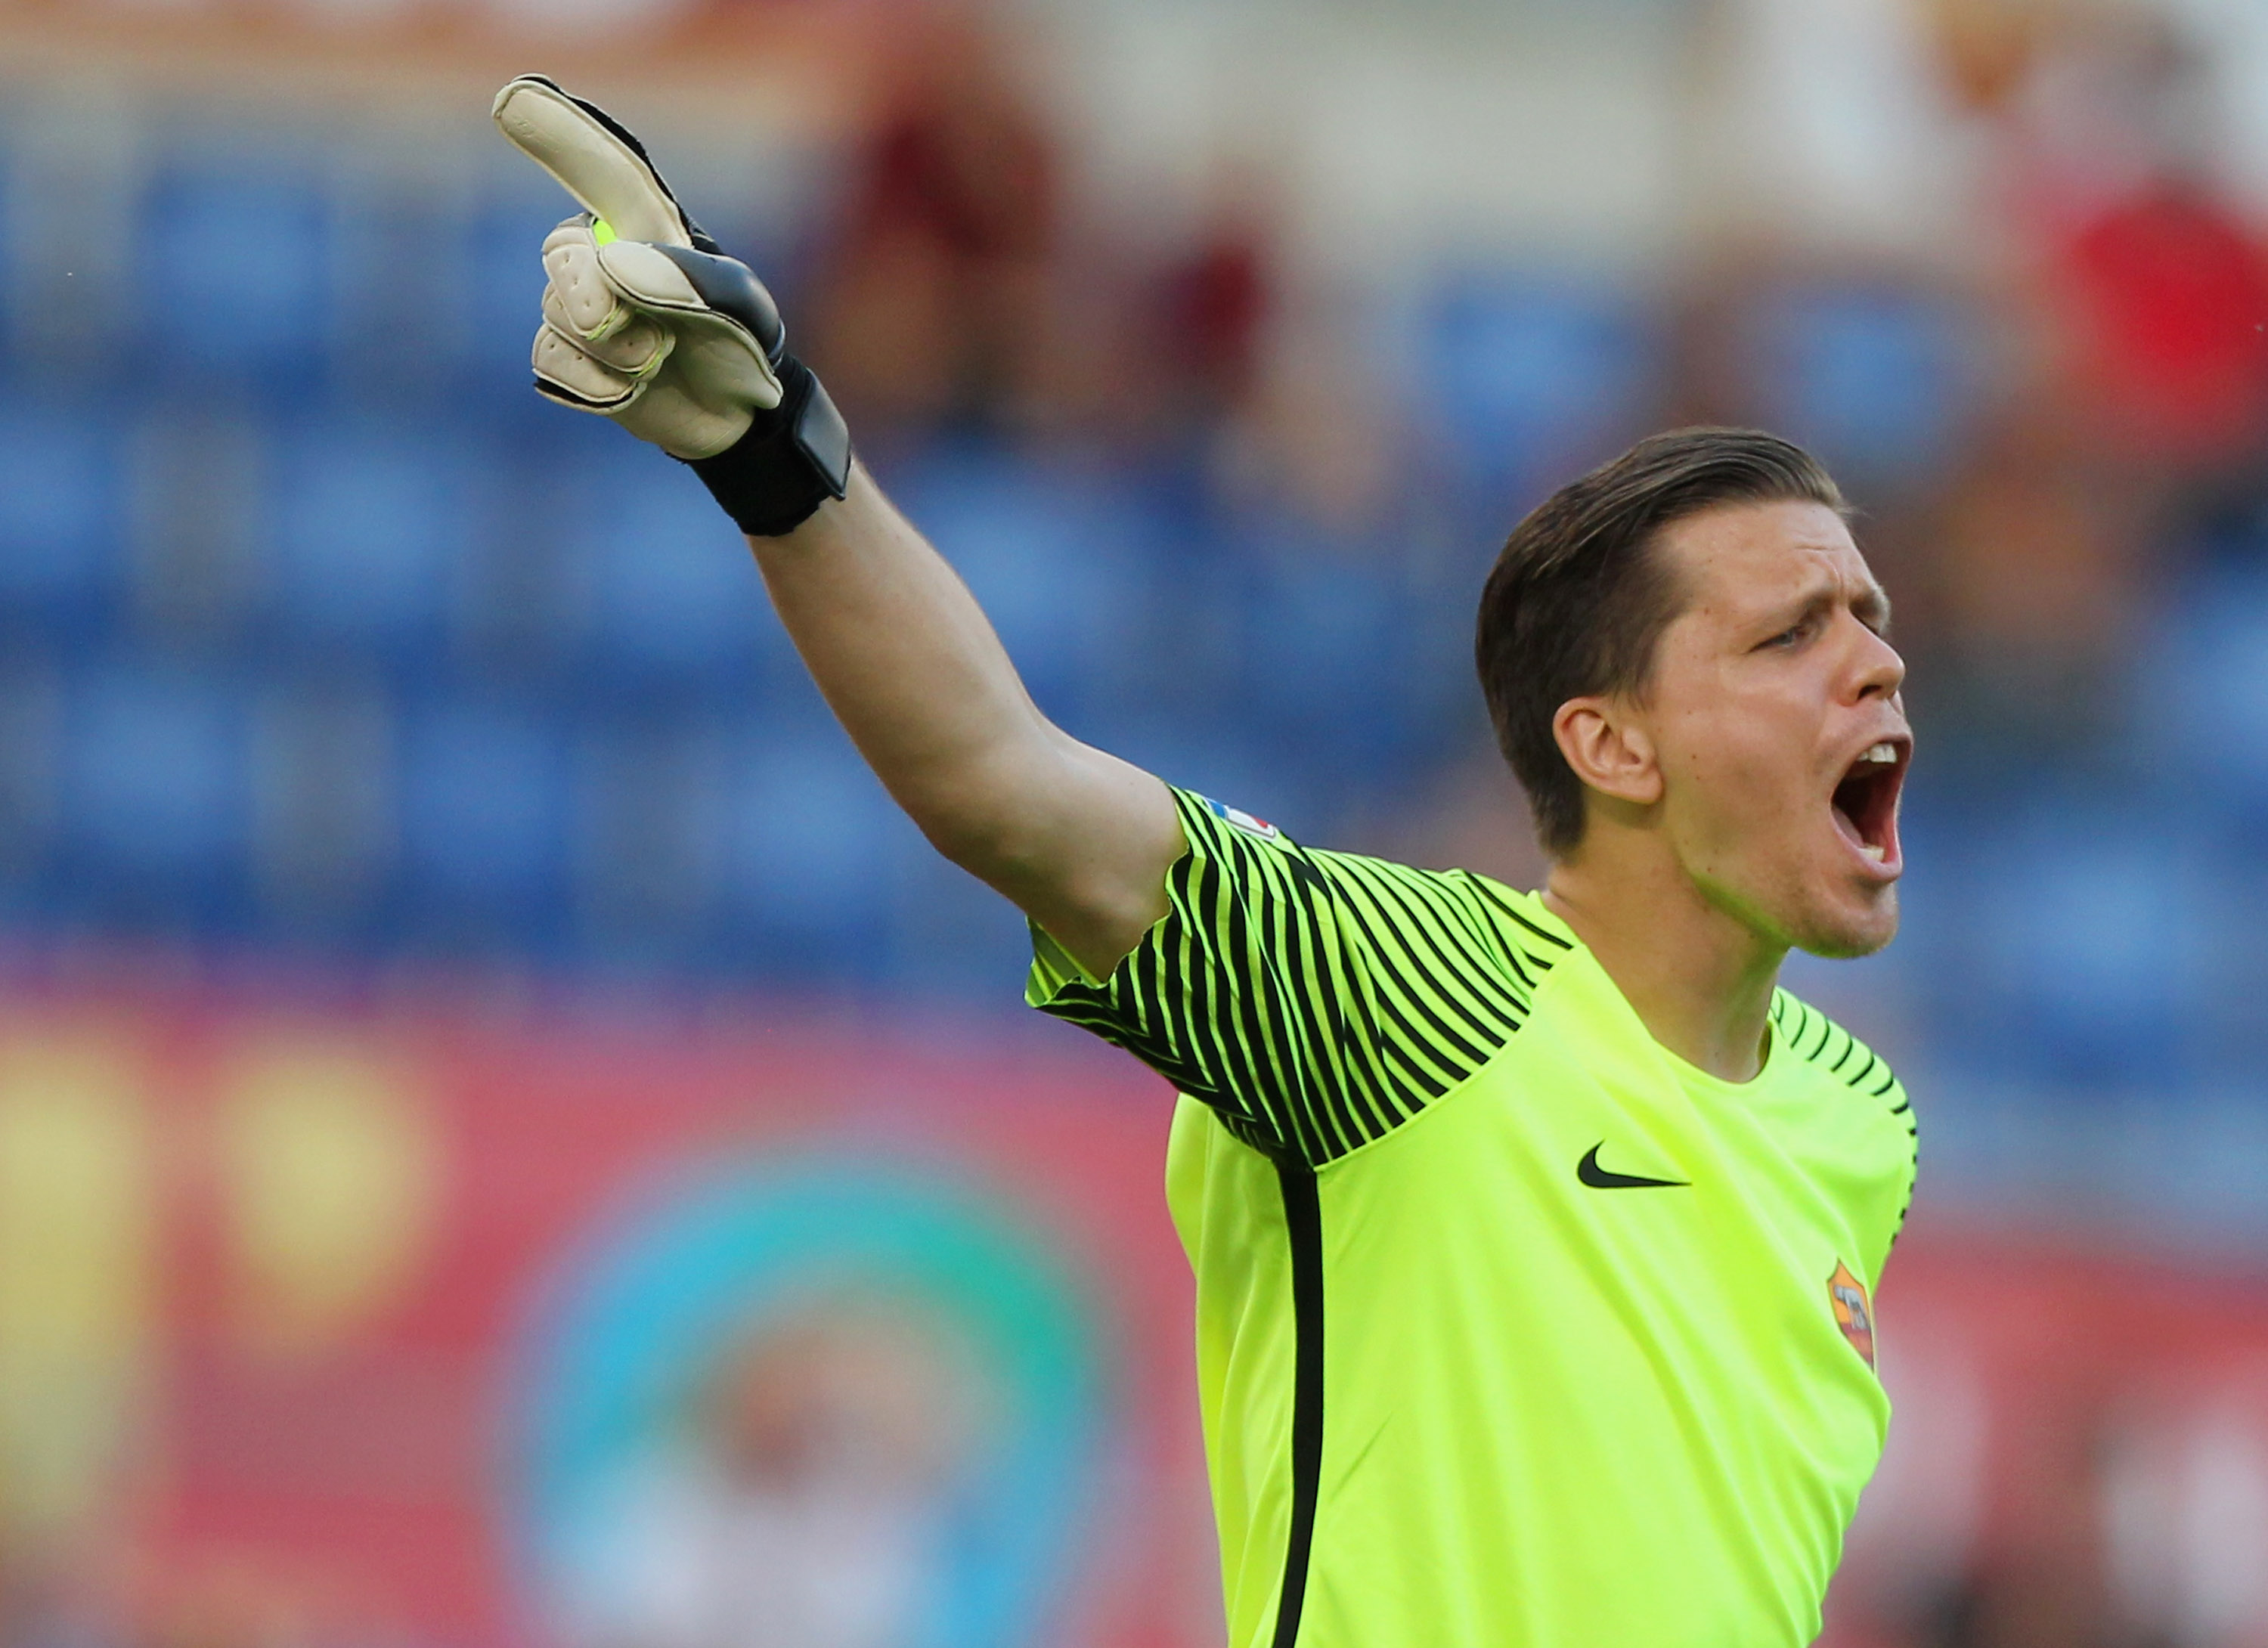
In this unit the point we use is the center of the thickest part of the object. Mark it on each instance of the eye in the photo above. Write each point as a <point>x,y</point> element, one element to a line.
<point>1791,637</point>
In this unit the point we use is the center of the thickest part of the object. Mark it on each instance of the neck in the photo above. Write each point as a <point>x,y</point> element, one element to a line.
<point>1700,980</point>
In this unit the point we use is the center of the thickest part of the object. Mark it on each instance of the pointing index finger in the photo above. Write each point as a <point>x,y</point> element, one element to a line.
<point>592,157</point>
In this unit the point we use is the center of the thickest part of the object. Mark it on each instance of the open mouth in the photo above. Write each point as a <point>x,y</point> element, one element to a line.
<point>1866,801</point>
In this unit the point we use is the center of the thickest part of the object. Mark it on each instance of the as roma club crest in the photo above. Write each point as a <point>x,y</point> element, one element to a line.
<point>1852,1313</point>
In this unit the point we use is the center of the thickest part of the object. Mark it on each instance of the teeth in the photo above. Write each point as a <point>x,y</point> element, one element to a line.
<point>1875,853</point>
<point>1885,751</point>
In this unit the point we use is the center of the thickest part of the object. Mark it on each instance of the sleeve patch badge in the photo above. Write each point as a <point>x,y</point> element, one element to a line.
<point>1238,818</point>
<point>1852,1313</point>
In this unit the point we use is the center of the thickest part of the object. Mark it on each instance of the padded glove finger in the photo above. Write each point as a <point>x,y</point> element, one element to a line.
<point>589,307</point>
<point>630,343</point>
<point>586,310</point>
<point>594,159</point>
<point>565,373</point>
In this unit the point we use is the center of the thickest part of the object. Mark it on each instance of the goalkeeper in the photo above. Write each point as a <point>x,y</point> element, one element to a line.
<point>1534,1233</point>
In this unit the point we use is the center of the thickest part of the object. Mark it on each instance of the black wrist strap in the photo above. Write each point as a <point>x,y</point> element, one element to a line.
<point>793,458</point>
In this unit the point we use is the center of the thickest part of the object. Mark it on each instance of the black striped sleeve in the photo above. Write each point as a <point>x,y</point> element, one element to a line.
<point>1315,1000</point>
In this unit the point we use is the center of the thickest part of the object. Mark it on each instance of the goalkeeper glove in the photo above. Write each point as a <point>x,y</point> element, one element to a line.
<point>646,321</point>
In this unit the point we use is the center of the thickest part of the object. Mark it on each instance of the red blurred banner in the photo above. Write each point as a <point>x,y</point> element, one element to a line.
<point>331,1327</point>
<point>2078,1453</point>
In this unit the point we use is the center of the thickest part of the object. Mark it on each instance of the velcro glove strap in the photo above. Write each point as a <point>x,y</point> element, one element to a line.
<point>793,458</point>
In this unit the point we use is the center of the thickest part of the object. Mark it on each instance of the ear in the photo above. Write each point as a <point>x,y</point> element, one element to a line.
<point>1607,745</point>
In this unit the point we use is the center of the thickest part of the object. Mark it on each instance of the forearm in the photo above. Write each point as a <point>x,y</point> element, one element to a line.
<point>906,658</point>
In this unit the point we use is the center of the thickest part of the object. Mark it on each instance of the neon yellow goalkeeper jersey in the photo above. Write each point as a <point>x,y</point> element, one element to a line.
<point>1514,1329</point>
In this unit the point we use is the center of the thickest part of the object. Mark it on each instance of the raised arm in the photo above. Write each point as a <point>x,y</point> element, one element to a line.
<point>646,322</point>
<point>1078,839</point>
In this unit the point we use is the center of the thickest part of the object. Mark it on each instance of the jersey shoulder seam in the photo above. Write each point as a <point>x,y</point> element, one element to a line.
<point>1509,1048</point>
<point>1447,985</point>
<point>1821,1042</point>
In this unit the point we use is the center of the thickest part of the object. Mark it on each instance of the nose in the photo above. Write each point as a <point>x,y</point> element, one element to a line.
<point>1877,671</point>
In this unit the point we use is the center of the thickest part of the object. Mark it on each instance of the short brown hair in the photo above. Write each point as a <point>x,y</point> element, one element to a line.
<point>1578,598</point>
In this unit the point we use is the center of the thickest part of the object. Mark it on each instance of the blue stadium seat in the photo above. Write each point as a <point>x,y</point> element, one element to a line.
<point>1328,658</point>
<point>31,743</point>
<point>1878,380</point>
<point>2204,693</point>
<point>1235,753</point>
<point>154,773</point>
<point>647,823</point>
<point>484,803</point>
<point>812,852</point>
<point>671,585</point>
<point>400,320</point>
<point>1533,380</point>
<point>502,266</point>
<point>246,251</point>
<point>1055,555</point>
<point>1322,622</point>
<point>950,935</point>
<point>59,507</point>
<point>325,762</point>
<point>2232,987</point>
<point>2086,925</point>
<point>372,520</point>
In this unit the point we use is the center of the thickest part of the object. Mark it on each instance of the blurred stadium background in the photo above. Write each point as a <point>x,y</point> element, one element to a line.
<point>506,1138</point>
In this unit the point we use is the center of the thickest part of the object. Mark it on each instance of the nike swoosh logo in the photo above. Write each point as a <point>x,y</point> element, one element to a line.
<point>1599,1178</point>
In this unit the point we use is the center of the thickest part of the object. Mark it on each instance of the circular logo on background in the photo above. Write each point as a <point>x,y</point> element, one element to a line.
<point>820,1404</point>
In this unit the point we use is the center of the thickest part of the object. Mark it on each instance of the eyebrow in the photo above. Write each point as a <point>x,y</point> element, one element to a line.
<point>1871,606</point>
